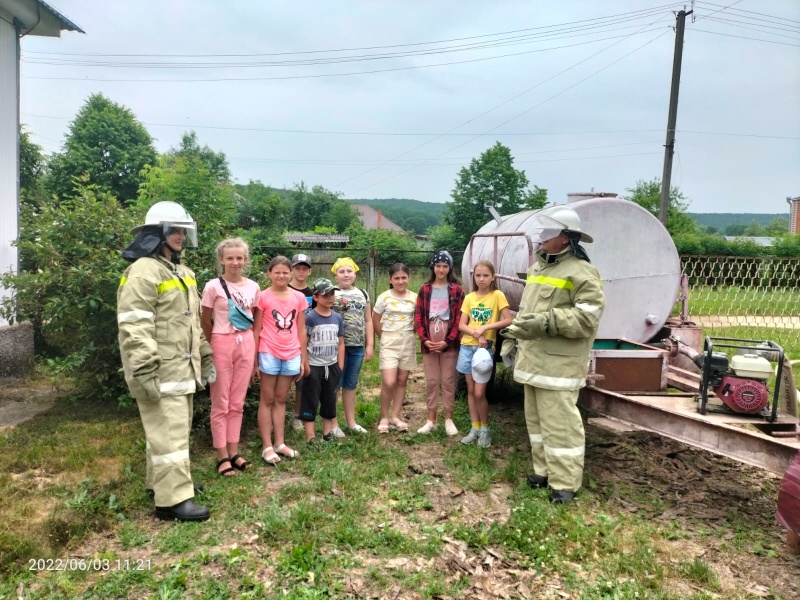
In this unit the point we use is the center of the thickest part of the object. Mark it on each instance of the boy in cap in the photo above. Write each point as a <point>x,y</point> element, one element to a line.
<point>301,270</point>
<point>325,329</point>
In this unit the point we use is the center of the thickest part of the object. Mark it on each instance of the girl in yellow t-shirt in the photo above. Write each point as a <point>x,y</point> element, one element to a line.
<point>483,312</point>
<point>393,319</point>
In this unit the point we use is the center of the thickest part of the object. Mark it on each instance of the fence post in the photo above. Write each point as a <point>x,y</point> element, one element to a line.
<point>373,272</point>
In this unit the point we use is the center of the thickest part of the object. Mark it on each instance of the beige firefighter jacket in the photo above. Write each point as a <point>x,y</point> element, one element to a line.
<point>557,321</point>
<point>160,339</point>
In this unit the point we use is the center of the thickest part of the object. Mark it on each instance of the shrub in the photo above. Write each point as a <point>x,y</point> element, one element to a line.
<point>70,293</point>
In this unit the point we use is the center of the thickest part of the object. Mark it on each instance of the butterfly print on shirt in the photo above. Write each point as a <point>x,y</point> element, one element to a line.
<point>284,323</point>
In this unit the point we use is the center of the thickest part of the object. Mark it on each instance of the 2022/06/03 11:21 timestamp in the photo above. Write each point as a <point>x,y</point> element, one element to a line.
<point>89,564</point>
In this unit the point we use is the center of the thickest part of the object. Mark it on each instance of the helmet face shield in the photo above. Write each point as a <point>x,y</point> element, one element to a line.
<point>188,228</point>
<point>544,228</point>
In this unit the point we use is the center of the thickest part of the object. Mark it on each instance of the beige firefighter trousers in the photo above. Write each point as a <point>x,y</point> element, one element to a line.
<point>166,429</point>
<point>555,430</point>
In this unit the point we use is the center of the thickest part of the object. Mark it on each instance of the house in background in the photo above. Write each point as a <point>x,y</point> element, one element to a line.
<point>18,18</point>
<point>374,219</point>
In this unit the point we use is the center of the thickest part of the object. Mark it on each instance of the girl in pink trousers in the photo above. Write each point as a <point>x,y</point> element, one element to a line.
<point>234,351</point>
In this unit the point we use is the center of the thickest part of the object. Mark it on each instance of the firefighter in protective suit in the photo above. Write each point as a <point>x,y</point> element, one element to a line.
<point>554,330</point>
<point>164,354</point>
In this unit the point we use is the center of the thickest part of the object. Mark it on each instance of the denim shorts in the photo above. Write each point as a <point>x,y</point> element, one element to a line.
<point>272,365</point>
<point>465,354</point>
<point>353,357</point>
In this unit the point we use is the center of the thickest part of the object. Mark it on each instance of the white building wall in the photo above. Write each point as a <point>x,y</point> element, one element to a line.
<point>9,149</point>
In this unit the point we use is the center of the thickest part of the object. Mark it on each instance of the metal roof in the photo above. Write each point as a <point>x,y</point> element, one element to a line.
<point>317,238</point>
<point>38,18</point>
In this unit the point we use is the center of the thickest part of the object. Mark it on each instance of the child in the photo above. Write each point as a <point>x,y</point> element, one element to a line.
<point>483,312</point>
<point>325,333</point>
<point>393,320</point>
<point>436,319</point>
<point>301,270</point>
<point>233,351</point>
<point>280,331</point>
<point>359,338</point>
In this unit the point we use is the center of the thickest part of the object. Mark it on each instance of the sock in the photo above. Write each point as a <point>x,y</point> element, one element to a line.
<point>484,426</point>
<point>476,425</point>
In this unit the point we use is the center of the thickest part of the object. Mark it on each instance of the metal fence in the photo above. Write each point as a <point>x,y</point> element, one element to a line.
<point>746,296</point>
<point>373,274</point>
<point>736,296</point>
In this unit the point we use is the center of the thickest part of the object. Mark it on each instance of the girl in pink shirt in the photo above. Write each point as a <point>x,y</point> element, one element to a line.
<point>233,352</point>
<point>280,332</point>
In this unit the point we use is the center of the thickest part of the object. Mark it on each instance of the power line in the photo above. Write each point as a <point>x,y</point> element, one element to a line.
<point>749,12</point>
<point>742,37</point>
<point>520,114</point>
<point>757,27</point>
<point>328,75</point>
<point>630,15</point>
<point>493,108</point>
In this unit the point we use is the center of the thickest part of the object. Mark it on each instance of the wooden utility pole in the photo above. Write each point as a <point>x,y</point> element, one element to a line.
<point>669,146</point>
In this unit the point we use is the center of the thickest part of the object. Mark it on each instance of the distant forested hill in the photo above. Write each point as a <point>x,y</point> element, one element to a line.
<point>412,215</point>
<point>723,220</point>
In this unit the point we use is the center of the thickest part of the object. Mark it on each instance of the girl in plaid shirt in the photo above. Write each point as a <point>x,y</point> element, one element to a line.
<point>436,320</point>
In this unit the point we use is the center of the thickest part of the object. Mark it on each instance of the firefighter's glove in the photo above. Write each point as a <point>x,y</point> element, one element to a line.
<point>508,352</point>
<point>208,372</point>
<point>146,388</point>
<point>527,327</point>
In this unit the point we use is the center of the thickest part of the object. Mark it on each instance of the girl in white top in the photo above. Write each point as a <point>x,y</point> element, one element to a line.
<point>234,352</point>
<point>393,320</point>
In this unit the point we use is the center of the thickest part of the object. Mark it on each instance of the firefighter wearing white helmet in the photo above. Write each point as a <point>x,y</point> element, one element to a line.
<point>164,354</point>
<point>554,330</point>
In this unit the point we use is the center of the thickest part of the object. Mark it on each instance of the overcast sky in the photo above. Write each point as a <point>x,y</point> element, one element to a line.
<point>577,89</point>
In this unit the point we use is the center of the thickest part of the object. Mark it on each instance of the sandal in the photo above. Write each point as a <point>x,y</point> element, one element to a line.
<point>270,457</point>
<point>229,472</point>
<point>396,423</point>
<point>287,452</point>
<point>383,426</point>
<point>241,466</point>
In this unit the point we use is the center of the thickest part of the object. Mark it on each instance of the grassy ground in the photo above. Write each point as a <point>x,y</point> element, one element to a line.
<point>397,516</point>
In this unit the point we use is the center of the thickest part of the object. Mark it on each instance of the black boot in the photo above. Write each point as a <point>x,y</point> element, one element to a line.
<point>183,511</point>
<point>561,496</point>
<point>537,482</point>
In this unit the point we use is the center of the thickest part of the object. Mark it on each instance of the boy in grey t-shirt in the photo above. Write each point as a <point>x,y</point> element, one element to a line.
<point>325,330</point>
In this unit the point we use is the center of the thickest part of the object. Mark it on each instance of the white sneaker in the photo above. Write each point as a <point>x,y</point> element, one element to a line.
<point>450,427</point>
<point>357,428</point>
<point>338,433</point>
<point>484,438</point>
<point>297,424</point>
<point>471,437</point>
<point>427,428</point>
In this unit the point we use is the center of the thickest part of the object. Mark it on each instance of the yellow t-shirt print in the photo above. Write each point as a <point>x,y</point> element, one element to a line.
<point>482,314</point>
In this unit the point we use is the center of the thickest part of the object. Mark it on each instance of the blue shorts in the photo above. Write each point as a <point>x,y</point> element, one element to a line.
<point>272,365</point>
<point>353,357</point>
<point>465,354</point>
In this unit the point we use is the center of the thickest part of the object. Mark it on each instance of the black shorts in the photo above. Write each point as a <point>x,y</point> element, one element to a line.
<point>319,391</point>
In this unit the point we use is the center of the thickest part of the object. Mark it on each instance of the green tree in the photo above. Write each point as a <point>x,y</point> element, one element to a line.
<point>70,297</point>
<point>32,164</point>
<point>755,229</point>
<point>317,207</point>
<point>258,205</point>
<point>106,143</point>
<point>778,226</point>
<point>490,180</point>
<point>444,237</point>
<point>215,162</point>
<point>340,216</point>
<point>647,194</point>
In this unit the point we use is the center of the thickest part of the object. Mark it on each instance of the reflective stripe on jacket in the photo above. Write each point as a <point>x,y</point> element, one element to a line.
<point>158,314</point>
<point>566,295</point>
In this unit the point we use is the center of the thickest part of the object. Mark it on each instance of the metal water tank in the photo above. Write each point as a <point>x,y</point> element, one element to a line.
<point>632,250</point>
